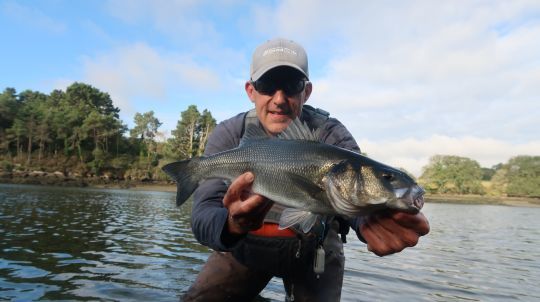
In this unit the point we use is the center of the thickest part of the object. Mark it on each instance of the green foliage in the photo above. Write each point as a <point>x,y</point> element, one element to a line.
<point>146,129</point>
<point>205,125</point>
<point>79,130</point>
<point>6,166</point>
<point>146,126</point>
<point>183,140</point>
<point>191,133</point>
<point>8,107</point>
<point>522,174</point>
<point>452,174</point>
<point>98,162</point>
<point>487,173</point>
<point>499,181</point>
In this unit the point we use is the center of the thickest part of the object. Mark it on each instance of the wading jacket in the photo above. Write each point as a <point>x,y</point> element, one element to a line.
<point>209,217</point>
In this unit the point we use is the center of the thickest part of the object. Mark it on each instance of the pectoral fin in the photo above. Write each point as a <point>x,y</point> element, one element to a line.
<point>290,216</point>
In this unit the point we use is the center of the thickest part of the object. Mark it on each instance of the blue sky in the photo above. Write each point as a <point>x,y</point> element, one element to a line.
<point>410,79</point>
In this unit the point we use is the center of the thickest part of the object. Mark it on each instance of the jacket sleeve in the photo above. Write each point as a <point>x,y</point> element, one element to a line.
<point>208,216</point>
<point>335,133</point>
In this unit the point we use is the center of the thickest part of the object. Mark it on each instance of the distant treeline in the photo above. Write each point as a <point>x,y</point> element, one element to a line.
<point>78,132</point>
<point>447,174</point>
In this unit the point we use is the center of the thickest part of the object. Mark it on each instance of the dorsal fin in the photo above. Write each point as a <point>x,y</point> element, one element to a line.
<point>299,130</point>
<point>253,132</point>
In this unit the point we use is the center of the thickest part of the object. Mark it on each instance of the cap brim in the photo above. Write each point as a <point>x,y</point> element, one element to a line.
<point>256,75</point>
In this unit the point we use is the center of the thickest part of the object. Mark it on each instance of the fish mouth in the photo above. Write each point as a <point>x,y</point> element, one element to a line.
<point>417,197</point>
<point>418,200</point>
<point>412,198</point>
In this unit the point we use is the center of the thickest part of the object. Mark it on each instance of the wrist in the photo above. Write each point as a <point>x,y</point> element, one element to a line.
<point>230,240</point>
<point>231,234</point>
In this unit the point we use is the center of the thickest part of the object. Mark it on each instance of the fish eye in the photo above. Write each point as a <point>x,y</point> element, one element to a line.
<point>388,176</point>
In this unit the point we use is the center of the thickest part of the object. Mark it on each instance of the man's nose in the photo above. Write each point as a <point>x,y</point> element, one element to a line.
<point>279,97</point>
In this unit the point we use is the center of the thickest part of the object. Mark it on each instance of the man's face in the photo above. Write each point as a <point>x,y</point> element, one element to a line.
<point>278,97</point>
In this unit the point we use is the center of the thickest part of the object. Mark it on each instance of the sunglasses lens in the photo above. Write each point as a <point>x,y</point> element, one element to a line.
<point>265,87</point>
<point>294,87</point>
<point>289,87</point>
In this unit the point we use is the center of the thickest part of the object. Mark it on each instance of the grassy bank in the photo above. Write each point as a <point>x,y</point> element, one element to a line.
<point>51,179</point>
<point>483,199</point>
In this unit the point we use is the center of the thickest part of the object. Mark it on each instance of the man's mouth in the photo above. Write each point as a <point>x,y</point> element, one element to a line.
<point>278,112</point>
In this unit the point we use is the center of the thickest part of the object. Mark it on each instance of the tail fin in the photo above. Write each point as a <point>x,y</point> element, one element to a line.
<point>186,182</point>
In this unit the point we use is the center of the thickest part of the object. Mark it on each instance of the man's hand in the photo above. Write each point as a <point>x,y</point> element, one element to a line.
<point>390,232</point>
<point>246,210</point>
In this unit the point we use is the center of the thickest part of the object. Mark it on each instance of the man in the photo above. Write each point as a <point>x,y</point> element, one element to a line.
<point>241,226</point>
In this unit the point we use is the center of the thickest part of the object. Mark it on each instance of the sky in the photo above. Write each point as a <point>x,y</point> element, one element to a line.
<point>409,79</point>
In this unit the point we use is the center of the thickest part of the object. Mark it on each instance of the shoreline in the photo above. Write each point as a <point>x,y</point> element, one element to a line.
<point>484,200</point>
<point>166,186</point>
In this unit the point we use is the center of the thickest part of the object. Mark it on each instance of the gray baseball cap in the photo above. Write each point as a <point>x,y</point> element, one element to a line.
<point>278,52</point>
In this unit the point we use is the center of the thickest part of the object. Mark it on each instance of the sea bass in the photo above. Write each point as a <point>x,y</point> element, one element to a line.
<point>308,177</point>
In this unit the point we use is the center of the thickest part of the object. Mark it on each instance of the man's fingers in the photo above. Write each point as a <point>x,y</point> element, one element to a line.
<point>391,238</point>
<point>405,236</point>
<point>237,187</point>
<point>251,206</point>
<point>416,222</point>
<point>385,235</point>
<point>374,244</point>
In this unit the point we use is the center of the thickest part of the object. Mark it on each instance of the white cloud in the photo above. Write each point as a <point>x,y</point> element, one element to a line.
<point>457,68</point>
<point>183,20</point>
<point>138,71</point>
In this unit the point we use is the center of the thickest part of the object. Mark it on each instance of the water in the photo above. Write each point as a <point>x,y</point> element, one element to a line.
<point>118,245</point>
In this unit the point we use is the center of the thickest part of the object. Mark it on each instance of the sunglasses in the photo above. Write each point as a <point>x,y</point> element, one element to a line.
<point>289,87</point>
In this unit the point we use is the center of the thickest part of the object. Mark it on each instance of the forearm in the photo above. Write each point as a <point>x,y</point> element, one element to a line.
<point>209,217</point>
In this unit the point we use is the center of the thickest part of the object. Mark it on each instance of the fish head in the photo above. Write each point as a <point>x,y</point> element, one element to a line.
<point>361,186</point>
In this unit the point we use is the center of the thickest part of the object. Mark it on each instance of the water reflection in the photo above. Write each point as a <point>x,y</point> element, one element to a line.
<point>94,244</point>
<point>116,245</point>
<point>473,253</point>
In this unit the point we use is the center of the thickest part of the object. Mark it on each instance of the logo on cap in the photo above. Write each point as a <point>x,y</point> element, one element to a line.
<point>279,49</point>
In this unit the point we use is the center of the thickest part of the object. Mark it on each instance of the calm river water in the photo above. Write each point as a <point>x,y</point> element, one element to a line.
<point>119,245</point>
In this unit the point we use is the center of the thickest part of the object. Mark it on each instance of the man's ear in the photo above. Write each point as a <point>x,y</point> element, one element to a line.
<point>307,91</point>
<point>250,91</point>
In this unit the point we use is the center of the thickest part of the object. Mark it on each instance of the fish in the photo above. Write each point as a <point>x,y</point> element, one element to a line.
<point>310,178</point>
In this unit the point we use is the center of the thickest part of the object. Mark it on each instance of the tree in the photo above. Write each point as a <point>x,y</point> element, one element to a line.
<point>17,133</point>
<point>63,120</point>
<point>8,107</point>
<point>185,133</point>
<point>191,134</point>
<point>452,174</point>
<point>93,98</point>
<point>523,176</point>
<point>146,127</point>
<point>8,111</point>
<point>31,114</point>
<point>86,120</point>
<point>205,125</point>
<point>93,125</point>
<point>487,173</point>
